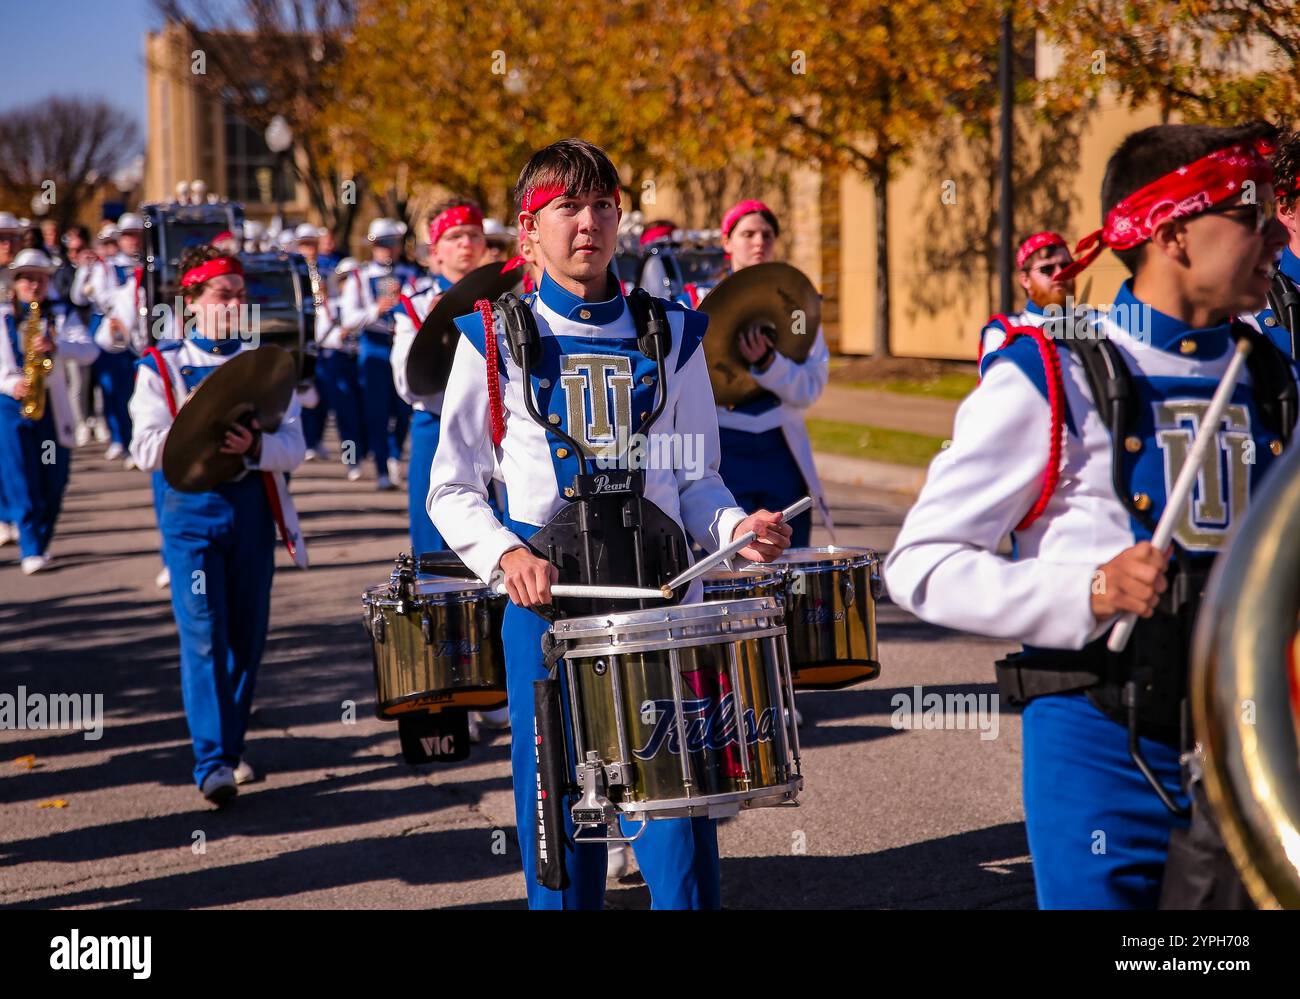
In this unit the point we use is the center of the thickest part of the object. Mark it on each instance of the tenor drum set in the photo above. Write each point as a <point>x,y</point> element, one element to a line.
<point>672,711</point>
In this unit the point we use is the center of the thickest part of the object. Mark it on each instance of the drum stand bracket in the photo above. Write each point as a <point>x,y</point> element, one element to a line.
<point>593,808</point>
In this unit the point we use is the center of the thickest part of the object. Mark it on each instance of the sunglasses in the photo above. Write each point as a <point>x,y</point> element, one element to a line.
<point>1049,268</point>
<point>1261,213</point>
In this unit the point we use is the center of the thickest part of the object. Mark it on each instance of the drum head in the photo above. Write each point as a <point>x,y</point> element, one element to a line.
<point>828,557</point>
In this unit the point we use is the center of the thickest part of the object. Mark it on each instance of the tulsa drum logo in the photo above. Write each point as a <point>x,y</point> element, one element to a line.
<point>710,724</point>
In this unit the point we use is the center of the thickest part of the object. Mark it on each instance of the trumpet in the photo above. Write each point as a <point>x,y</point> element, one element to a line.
<point>37,365</point>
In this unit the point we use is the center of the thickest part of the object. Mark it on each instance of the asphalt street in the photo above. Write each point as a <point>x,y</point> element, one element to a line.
<point>891,817</point>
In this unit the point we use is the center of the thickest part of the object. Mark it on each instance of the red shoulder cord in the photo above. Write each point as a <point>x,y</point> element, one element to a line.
<point>156,354</point>
<point>1056,403</point>
<point>496,412</point>
<point>409,308</point>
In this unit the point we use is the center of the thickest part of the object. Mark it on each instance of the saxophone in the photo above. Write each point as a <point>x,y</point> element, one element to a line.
<point>36,365</point>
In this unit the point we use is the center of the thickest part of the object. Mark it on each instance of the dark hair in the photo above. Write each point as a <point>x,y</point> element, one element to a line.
<point>1286,166</point>
<point>1149,154</point>
<point>574,164</point>
<point>195,256</point>
<point>454,202</point>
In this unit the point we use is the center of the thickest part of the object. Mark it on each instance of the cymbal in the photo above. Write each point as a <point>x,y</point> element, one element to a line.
<point>775,295</point>
<point>428,365</point>
<point>254,383</point>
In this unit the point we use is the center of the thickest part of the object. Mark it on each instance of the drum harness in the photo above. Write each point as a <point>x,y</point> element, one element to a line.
<point>1143,688</point>
<point>607,525</point>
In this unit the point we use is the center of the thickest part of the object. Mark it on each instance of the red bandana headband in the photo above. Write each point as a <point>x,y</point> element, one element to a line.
<point>739,211</point>
<point>1185,193</point>
<point>1036,242</point>
<point>209,269</point>
<point>656,232</point>
<point>458,215</point>
<point>537,198</point>
<point>224,234</point>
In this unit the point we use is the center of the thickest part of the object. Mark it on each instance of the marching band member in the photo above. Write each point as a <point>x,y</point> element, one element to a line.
<point>1281,320</point>
<point>569,206</point>
<point>1081,508</point>
<point>336,371</point>
<point>767,458</point>
<point>306,241</point>
<point>456,247</point>
<point>34,453</point>
<point>1040,260</point>
<point>219,545</point>
<point>370,302</point>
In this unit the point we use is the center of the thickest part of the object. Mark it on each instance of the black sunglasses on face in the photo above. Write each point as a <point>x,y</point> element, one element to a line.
<point>1261,213</point>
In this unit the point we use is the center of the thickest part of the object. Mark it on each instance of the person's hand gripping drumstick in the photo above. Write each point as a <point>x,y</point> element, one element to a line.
<point>1144,558</point>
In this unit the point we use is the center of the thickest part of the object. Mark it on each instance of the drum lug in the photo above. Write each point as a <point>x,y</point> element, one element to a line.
<point>618,774</point>
<point>846,584</point>
<point>426,626</point>
<point>593,808</point>
<point>378,628</point>
<point>877,584</point>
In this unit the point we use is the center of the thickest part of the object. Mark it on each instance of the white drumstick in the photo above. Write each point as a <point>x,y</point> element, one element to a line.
<point>1182,490</point>
<point>599,592</point>
<point>705,564</point>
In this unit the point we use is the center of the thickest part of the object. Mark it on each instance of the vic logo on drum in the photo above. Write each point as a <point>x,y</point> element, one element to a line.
<point>709,724</point>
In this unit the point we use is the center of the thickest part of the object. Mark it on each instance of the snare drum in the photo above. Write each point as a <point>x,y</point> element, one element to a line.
<point>830,601</point>
<point>436,644</point>
<point>756,580</point>
<point>681,711</point>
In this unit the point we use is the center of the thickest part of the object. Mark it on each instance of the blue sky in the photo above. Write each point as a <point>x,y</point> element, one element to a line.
<point>75,48</point>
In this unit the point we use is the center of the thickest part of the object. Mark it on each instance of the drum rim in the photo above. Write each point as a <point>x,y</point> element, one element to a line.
<point>659,617</point>
<point>466,592</point>
<point>833,557</point>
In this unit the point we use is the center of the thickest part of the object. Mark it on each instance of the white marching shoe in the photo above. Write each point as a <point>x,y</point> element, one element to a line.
<point>475,733</point>
<point>115,451</point>
<point>394,469</point>
<point>621,862</point>
<point>163,579</point>
<point>35,563</point>
<point>354,474</point>
<point>83,434</point>
<point>102,436</point>
<point>244,773</point>
<point>498,719</point>
<point>219,786</point>
<point>8,534</point>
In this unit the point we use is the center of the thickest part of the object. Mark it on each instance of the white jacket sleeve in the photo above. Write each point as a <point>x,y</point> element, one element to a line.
<point>74,343</point>
<point>944,566</point>
<point>284,450</point>
<point>356,310</point>
<point>82,284</point>
<point>709,511</point>
<point>150,418</point>
<point>403,336</point>
<point>798,383</point>
<point>462,470</point>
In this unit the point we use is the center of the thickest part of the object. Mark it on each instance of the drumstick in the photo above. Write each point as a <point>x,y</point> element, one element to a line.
<point>704,565</point>
<point>599,592</point>
<point>1182,490</point>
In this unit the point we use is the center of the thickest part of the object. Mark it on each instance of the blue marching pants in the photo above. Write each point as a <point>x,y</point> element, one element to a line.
<point>1098,834</point>
<point>761,473</point>
<point>424,443</point>
<point>115,376</point>
<point>678,857</point>
<point>313,421</point>
<point>339,384</point>
<point>36,474</point>
<point>220,549</point>
<point>386,414</point>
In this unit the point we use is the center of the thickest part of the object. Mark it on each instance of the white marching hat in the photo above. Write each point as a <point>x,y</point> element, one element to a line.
<point>491,227</point>
<point>107,232</point>
<point>386,229</point>
<point>253,229</point>
<point>32,260</point>
<point>9,222</point>
<point>285,239</point>
<point>346,265</point>
<point>130,222</point>
<point>308,231</point>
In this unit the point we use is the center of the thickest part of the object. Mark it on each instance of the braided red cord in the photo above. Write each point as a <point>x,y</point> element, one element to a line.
<point>496,412</point>
<point>1056,402</point>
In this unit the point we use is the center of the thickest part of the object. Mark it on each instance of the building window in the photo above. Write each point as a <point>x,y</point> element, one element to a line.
<point>254,174</point>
